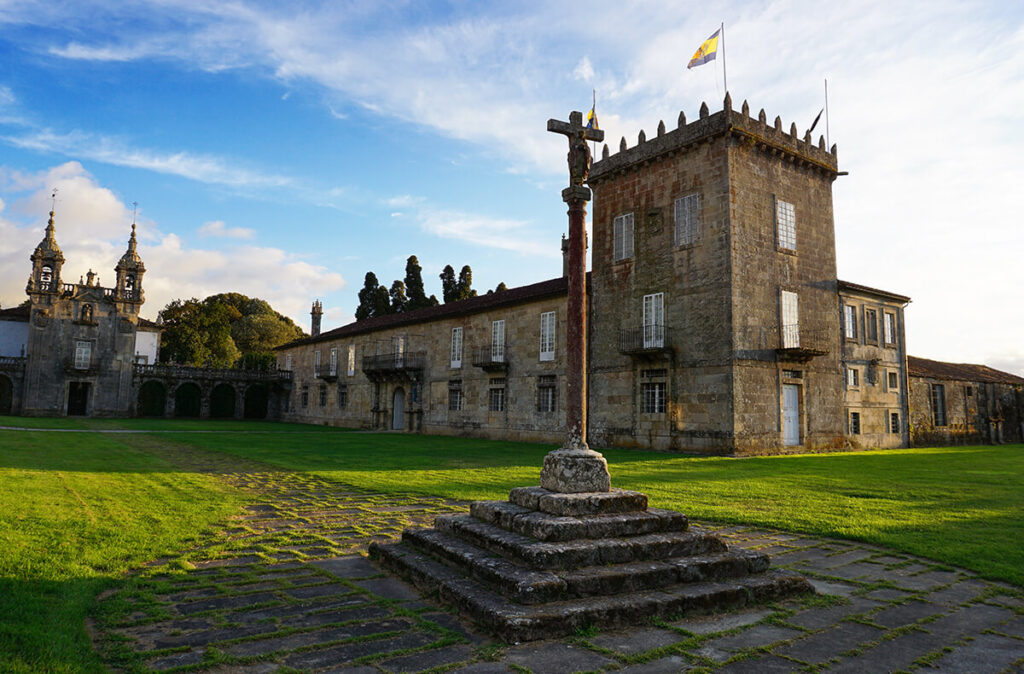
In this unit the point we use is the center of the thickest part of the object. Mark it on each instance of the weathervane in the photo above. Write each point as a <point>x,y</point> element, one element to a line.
<point>135,208</point>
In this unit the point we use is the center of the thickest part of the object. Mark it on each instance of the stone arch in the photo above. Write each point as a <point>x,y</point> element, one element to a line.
<point>152,399</point>
<point>222,401</point>
<point>188,400</point>
<point>6,394</point>
<point>256,401</point>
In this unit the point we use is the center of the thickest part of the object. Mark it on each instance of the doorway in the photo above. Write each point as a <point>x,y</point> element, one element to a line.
<point>78,398</point>
<point>790,414</point>
<point>398,411</point>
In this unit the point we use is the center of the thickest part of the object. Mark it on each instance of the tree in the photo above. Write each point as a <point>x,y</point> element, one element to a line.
<point>448,284</point>
<point>414,286</point>
<point>463,287</point>
<point>501,287</point>
<point>368,297</point>
<point>398,301</point>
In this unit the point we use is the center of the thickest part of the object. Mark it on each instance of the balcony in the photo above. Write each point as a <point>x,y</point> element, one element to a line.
<point>189,372</point>
<point>405,365</point>
<point>799,344</point>
<point>11,363</point>
<point>645,341</point>
<point>491,358</point>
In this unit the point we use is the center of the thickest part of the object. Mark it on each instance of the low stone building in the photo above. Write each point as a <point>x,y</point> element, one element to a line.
<point>961,403</point>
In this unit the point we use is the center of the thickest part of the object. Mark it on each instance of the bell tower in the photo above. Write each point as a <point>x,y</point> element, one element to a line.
<point>47,260</point>
<point>129,271</point>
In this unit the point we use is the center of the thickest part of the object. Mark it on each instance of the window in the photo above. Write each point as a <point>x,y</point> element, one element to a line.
<point>889,329</point>
<point>455,395</point>
<point>351,359</point>
<point>342,395</point>
<point>288,362</point>
<point>456,354</point>
<point>547,336</point>
<point>894,381</point>
<point>850,322</point>
<point>970,391</point>
<point>939,404</point>
<point>785,221</point>
<point>622,230</point>
<point>654,321</point>
<point>871,325</point>
<point>498,341</point>
<point>46,275</point>
<point>316,364</point>
<point>854,423</point>
<point>894,422</point>
<point>414,392</point>
<point>305,395</point>
<point>852,377</point>
<point>334,362</point>
<point>793,374</point>
<point>686,212</point>
<point>546,393</point>
<point>654,393</point>
<point>323,395</point>
<point>399,352</point>
<point>83,355</point>
<point>141,360</point>
<point>497,396</point>
<point>790,320</point>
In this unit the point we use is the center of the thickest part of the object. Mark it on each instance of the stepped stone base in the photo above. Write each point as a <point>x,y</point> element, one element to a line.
<point>544,564</point>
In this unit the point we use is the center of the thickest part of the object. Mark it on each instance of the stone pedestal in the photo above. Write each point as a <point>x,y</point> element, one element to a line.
<point>574,471</point>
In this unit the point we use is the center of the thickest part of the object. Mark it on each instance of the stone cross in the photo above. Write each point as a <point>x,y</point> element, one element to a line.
<point>575,468</point>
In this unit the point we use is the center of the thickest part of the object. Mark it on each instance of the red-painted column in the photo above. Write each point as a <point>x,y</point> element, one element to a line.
<point>576,320</point>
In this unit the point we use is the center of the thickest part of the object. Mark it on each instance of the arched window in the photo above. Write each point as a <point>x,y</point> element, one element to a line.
<point>129,282</point>
<point>46,275</point>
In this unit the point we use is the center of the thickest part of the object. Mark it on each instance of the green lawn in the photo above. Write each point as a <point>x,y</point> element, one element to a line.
<point>79,510</point>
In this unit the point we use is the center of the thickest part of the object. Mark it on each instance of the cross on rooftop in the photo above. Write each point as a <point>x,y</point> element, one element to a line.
<point>579,153</point>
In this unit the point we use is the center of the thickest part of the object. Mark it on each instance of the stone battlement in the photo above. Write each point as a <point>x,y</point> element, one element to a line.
<point>708,126</point>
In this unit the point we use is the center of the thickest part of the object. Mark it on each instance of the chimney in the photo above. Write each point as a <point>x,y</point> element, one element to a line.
<point>317,313</point>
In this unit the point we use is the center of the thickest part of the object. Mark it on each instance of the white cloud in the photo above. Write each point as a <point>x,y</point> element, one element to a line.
<point>584,70</point>
<point>501,233</point>
<point>218,228</point>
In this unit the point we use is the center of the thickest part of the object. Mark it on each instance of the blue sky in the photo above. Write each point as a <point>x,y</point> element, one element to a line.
<point>283,149</point>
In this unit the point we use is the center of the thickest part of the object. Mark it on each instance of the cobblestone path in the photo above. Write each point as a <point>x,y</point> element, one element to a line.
<point>286,587</point>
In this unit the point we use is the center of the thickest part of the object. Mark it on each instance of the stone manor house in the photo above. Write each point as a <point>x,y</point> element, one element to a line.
<point>716,323</point>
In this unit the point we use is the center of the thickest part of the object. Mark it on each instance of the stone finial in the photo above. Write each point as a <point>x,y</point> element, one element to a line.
<point>682,119</point>
<point>834,151</point>
<point>807,137</point>
<point>727,103</point>
<point>661,127</point>
<point>792,129</point>
<point>641,138</point>
<point>778,123</point>
<point>745,108</point>
<point>622,144</point>
<point>761,117</point>
<point>821,142</point>
<point>605,153</point>
<point>704,112</point>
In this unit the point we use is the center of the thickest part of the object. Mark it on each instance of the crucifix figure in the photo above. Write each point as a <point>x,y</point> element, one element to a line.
<point>575,468</point>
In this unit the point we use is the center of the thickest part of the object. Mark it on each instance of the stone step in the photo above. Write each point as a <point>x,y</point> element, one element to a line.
<point>543,555</point>
<point>547,527</point>
<point>516,622</point>
<point>527,586</point>
<point>577,505</point>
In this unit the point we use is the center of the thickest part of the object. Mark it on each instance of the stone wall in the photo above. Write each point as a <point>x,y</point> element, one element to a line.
<point>975,412</point>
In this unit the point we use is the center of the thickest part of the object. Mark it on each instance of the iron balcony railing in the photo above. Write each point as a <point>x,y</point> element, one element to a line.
<point>395,362</point>
<point>644,339</point>
<point>490,356</point>
<point>192,372</point>
<point>12,363</point>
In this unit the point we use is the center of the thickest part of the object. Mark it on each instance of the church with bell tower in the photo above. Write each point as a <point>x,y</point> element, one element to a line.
<point>71,349</point>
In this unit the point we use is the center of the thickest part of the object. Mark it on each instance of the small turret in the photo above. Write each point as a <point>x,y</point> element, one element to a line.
<point>129,272</point>
<point>316,315</point>
<point>47,260</point>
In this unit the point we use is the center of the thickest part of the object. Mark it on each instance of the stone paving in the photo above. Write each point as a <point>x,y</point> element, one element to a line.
<point>287,587</point>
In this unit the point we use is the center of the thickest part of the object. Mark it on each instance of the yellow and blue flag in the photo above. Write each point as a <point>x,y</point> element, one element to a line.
<point>707,51</point>
<point>592,120</point>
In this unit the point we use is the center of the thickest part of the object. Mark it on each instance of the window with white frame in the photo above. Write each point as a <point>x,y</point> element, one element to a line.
<point>334,362</point>
<point>655,394</point>
<point>546,392</point>
<point>288,362</point>
<point>850,321</point>
<point>790,320</point>
<point>889,328</point>
<point>852,377</point>
<point>498,341</point>
<point>316,363</point>
<point>547,335</point>
<point>351,359</point>
<point>83,355</point>
<point>456,350</point>
<point>496,401</point>
<point>785,222</point>
<point>622,232</point>
<point>654,320</point>
<point>686,212</point>
<point>455,395</point>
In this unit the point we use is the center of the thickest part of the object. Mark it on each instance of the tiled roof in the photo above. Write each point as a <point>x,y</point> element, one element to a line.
<point>143,323</point>
<point>935,369</point>
<point>856,287</point>
<point>518,295</point>
<point>15,314</point>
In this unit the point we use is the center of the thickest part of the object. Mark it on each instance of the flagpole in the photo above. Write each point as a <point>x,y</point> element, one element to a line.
<point>593,109</point>
<point>725,78</point>
<point>828,141</point>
